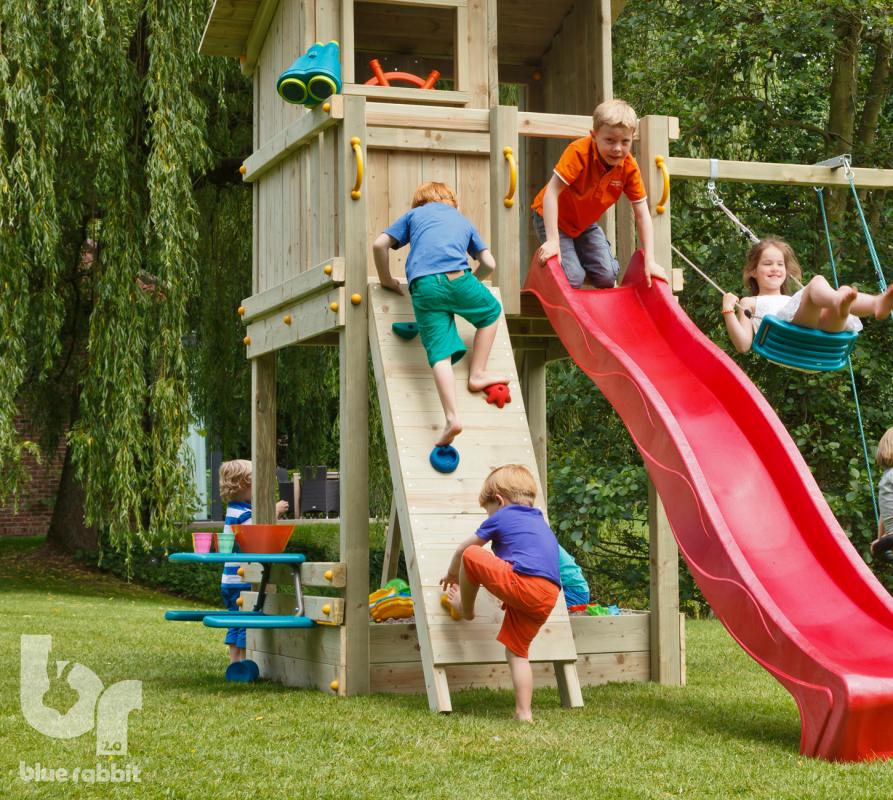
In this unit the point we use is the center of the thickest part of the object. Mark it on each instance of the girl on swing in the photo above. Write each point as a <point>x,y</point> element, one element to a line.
<point>769,266</point>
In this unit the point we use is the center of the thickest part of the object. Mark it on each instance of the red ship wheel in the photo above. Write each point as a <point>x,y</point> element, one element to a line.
<point>381,78</point>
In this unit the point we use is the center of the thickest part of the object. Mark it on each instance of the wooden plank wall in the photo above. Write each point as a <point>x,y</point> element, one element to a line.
<point>392,177</point>
<point>297,212</point>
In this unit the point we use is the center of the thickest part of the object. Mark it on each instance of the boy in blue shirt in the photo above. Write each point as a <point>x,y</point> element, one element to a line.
<point>441,285</point>
<point>235,491</point>
<point>522,571</point>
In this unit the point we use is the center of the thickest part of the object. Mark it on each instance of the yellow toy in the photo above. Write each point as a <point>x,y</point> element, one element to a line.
<point>391,602</point>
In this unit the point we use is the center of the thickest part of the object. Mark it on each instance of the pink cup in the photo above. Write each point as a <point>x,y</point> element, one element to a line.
<point>201,542</point>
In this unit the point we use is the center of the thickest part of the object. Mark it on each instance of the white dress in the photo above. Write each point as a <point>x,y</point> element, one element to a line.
<point>785,307</point>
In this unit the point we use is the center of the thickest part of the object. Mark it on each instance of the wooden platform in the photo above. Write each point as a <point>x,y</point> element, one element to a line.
<point>436,511</point>
<point>608,649</point>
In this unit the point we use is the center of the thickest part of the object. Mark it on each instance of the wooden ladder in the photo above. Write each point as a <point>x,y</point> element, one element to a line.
<point>435,511</point>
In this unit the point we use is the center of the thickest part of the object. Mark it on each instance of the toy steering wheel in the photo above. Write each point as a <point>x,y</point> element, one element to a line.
<point>382,78</point>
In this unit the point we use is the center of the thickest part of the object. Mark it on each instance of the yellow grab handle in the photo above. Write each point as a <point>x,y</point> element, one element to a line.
<point>661,165</point>
<point>509,200</point>
<point>358,151</point>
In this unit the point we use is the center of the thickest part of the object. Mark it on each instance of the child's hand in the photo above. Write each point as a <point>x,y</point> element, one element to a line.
<point>549,249</point>
<point>281,508</point>
<point>392,286</point>
<point>729,301</point>
<point>448,580</point>
<point>654,270</point>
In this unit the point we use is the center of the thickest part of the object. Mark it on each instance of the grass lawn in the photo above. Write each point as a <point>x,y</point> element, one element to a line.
<point>732,732</point>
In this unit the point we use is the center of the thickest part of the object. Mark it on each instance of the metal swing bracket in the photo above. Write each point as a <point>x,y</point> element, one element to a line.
<point>844,160</point>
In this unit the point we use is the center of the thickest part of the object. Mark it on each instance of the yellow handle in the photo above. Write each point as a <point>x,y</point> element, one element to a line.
<point>509,200</point>
<point>661,165</point>
<point>358,151</point>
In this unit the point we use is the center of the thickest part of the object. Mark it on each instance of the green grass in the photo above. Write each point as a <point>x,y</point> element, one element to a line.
<point>732,732</point>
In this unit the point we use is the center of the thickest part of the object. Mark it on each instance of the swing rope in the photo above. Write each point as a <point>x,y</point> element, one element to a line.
<point>717,201</point>
<point>820,192</point>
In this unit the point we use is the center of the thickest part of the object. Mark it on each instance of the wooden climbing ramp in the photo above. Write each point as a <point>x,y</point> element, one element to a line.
<point>435,512</point>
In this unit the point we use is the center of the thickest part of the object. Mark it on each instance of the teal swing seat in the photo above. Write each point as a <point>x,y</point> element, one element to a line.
<point>804,349</point>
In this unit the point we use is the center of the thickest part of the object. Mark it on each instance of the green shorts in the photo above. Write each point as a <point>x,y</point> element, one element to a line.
<point>436,300</point>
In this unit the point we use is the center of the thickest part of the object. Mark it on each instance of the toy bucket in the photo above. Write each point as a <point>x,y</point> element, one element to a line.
<point>225,542</point>
<point>201,542</point>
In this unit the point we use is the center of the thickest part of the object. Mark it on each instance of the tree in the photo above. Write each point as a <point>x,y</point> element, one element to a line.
<point>105,110</point>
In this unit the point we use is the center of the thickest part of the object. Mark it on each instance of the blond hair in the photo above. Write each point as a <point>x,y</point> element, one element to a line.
<point>885,450</point>
<point>791,264</point>
<point>234,476</point>
<point>613,114</point>
<point>513,482</point>
<point>434,192</point>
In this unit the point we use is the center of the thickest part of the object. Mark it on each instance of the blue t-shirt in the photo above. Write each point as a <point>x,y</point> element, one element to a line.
<point>439,238</point>
<point>238,512</point>
<point>521,536</point>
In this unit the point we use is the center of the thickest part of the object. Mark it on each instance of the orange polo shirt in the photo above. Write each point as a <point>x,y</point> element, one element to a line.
<point>592,188</point>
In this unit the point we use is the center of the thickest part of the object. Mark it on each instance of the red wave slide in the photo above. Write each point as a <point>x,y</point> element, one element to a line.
<point>750,520</point>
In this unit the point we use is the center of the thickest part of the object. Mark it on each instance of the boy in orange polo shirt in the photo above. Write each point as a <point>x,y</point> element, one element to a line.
<point>588,179</point>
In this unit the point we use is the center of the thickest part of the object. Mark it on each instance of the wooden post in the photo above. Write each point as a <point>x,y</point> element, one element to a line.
<point>601,70</point>
<point>666,643</point>
<point>354,409</point>
<point>654,139</point>
<point>391,546</point>
<point>504,221</point>
<point>263,438</point>
<point>533,385</point>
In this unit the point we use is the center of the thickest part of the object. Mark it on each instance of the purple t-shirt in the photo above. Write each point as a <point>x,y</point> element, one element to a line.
<point>521,536</point>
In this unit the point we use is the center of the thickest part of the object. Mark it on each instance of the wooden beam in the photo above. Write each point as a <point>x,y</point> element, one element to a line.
<point>263,439</point>
<point>666,657</point>
<point>258,34</point>
<point>391,546</point>
<point>653,141</point>
<point>424,117</point>
<point>763,172</point>
<point>429,140</point>
<point>354,410</point>
<point>400,94</point>
<point>302,320</point>
<point>292,138</point>
<point>309,282</point>
<point>504,221</point>
<point>533,382</point>
<point>553,126</point>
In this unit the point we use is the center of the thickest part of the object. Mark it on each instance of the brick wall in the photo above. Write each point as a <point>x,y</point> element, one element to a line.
<point>37,500</point>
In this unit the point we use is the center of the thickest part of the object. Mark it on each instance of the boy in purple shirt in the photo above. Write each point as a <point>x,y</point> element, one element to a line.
<point>522,571</point>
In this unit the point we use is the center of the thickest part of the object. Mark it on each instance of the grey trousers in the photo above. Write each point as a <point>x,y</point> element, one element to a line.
<point>587,254</point>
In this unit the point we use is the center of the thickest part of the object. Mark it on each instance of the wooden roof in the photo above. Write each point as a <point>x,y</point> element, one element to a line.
<point>526,28</point>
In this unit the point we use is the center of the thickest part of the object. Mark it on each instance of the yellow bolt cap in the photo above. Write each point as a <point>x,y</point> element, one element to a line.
<point>356,299</point>
<point>327,269</point>
<point>240,571</point>
<point>246,341</point>
<point>333,306</point>
<point>287,319</point>
<point>241,310</point>
<point>328,575</point>
<point>327,107</point>
<point>334,686</point>
<point>239,601</point>
<point>326,609</point>
<point>243,169</point>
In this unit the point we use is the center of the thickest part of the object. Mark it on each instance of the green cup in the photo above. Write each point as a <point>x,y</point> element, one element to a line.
<point>225,542</point>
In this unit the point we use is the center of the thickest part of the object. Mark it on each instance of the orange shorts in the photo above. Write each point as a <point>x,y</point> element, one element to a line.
<point>527,599</point>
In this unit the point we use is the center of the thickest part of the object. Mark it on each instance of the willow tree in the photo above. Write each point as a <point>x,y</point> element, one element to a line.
<point>105,110</point>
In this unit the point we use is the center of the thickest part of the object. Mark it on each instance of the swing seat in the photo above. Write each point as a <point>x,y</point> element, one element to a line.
<point>804,349</point>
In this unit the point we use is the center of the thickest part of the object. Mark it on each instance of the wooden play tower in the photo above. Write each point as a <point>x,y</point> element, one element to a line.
<point>325,182</point>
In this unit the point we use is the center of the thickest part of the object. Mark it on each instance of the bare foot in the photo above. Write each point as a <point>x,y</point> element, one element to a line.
<point>481,380</point>
<point>884,304</point>
<point>523,717</point>
<point>450,431</point>
<point>455,600</point>
<point>455,613</point>
<point>846,296</point>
